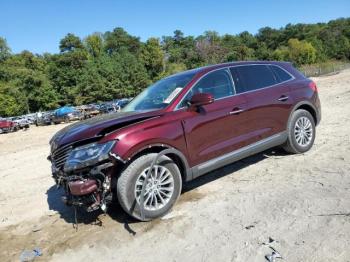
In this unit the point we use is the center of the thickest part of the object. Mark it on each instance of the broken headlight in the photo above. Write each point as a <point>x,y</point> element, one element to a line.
<point>88,155</point>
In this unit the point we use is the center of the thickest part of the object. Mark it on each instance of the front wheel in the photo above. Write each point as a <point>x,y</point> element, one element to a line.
<point>163,187</point>
<point>301,132</point>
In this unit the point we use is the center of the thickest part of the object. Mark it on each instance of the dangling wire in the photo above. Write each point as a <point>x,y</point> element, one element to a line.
<point>75,225</point>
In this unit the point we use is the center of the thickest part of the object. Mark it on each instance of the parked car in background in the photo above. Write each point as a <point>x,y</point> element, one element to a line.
<point>88,111</point>
<point>22,122</point>
<point>122,103</point>
<point>30,118</point>
<point>7,126</point>
<point>66,114</point>
<point>92,110</point>
<point>43,118</point>
<point>200,120</point>
<point>107,108</point>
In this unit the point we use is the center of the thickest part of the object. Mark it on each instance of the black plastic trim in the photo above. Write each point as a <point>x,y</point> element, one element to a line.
<point>236,155</point>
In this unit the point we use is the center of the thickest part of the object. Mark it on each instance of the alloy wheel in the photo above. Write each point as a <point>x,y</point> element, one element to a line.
<point>303,131</point>
<point>159,187</point>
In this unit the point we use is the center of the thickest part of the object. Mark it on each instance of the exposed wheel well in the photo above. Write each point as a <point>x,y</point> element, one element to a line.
<point>310,110</point>
<point>177,159</point>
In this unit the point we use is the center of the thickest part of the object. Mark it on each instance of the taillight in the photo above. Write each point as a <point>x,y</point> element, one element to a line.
<point>313,86</point>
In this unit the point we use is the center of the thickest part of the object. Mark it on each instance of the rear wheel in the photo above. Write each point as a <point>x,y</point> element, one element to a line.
<point>163,187</point>
<point>301,132</point>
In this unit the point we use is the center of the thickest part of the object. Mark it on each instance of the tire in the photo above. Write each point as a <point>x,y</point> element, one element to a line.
<point>126,185</point>
<point>292,145</point>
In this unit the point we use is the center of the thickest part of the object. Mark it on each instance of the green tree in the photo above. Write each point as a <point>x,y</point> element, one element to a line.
<point>301,52</point>
<point>70,42</point>
<point>119,39</point>
<point>270,37</point>
<point>153,57</point>
<point>64,71</point>
<point>94,44</point>
<point>5,51</point>
<point>12,100</point>
<point>281,54</point>
<point>111,76</point>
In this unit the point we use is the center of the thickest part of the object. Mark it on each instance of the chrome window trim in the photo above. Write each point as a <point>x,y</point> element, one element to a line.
<point>293,77</point>
<point>228,67</point>
<point>233,82</point>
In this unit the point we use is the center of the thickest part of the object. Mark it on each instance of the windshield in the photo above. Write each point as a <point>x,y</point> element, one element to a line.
<point>160,94</point>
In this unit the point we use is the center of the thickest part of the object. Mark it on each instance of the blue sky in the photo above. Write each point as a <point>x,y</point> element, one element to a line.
<point>38,25</point>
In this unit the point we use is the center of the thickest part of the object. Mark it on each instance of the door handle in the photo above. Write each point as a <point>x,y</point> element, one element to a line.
<point>283,98</point>
<point>236,111</point>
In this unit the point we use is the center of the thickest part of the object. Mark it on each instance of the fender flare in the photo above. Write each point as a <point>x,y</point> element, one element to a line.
<point>301,103</point>
<point>169,150</point>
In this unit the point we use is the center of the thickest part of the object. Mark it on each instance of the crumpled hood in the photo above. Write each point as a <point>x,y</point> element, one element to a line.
<point>97,126</point>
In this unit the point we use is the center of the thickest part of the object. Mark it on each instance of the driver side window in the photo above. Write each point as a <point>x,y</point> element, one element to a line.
<point>217,83</point>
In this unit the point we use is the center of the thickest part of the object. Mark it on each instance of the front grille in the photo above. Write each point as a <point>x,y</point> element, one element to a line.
<point>60,155</point>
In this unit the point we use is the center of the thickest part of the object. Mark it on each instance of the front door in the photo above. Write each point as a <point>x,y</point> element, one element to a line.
<point>218,128</point>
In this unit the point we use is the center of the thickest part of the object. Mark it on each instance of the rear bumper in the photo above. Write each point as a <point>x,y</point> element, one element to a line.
<point>318,110</point>
<point>5,129</point>
<point>319,116</point>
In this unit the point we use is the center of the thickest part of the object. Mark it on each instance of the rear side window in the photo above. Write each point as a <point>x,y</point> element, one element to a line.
<point>280,74</point>
<point>252,77</point>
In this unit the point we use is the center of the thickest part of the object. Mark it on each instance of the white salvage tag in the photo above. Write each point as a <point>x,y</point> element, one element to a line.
<point>172,95</point>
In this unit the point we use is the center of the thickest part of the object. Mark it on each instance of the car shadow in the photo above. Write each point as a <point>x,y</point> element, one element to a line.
<point>231,168</point>
<point>115,211</point>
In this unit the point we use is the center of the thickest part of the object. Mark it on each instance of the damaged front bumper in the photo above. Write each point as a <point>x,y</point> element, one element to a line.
<point>85,174</point>
<point>89,188</point>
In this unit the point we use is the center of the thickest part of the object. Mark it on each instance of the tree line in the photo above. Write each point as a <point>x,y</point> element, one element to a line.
<point>115,64</point>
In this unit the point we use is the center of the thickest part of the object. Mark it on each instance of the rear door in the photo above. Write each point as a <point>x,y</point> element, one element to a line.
<point>268,99</point>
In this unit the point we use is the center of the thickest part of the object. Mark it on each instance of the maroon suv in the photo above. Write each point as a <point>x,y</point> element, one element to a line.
<point>182,127</point>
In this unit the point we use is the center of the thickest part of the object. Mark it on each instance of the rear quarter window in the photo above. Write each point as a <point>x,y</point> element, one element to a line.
<point>280,74</point>
<point>254,77</point>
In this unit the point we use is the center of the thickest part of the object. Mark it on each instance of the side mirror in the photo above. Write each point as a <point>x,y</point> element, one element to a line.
<point>201,99</point>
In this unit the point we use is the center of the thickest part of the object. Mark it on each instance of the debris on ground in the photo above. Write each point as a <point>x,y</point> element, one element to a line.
<point>36,228</point>
<point>270,241</point>
<point>275,254</point>
<point>249,227</point>
<point>30,255</point>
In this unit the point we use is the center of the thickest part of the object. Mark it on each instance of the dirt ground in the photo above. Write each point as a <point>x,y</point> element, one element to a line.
<point>302,202</point>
